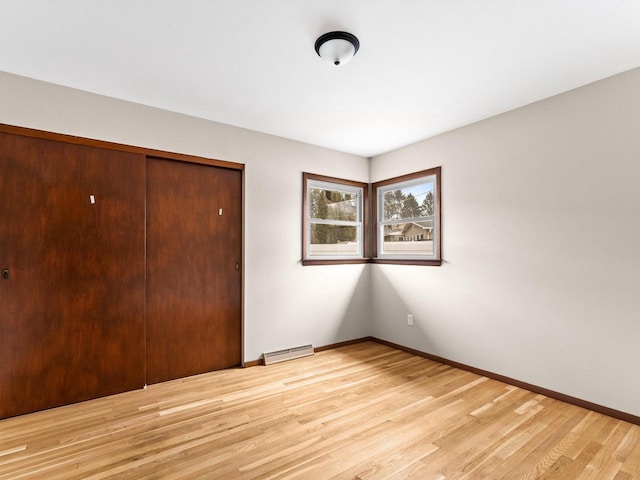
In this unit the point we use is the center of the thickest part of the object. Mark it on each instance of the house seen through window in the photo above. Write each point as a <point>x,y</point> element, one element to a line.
<point>407,217</point>
<point>406,220</point>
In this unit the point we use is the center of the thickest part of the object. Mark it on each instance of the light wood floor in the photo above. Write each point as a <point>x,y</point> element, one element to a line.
<point>364,411</point>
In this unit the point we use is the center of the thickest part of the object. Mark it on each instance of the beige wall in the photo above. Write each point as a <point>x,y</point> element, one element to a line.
<point>285,304</point>
<point>541,242</point>
<point>541,232</point>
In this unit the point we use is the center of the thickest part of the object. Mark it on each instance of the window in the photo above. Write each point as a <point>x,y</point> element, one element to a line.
<point>334,220</point>
<point>407,213</point>
<point>406,220</point>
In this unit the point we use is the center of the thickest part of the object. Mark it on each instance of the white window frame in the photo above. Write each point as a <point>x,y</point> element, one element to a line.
<point>312,181</point>
<point>400,183</point>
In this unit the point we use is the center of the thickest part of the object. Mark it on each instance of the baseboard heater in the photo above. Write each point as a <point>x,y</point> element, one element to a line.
<point>288,354</point>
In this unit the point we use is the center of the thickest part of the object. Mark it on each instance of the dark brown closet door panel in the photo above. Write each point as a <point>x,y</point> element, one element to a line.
<point>72,240</point>
<point>194,241</point>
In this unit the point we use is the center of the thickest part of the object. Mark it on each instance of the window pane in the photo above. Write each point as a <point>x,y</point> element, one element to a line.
<point>334,223</point>
<point>413,201</point>
<point>333,205</point>
<point>411,238</point>
<point>333,240</point>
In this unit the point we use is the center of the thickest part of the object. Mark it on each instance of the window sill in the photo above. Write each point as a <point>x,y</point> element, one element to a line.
<point>384,261</point>
<point>335,261</point>
<point>399,261</point>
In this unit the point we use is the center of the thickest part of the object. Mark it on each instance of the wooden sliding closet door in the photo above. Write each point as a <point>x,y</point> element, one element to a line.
<point>194,250</point>
<point>72,289</point>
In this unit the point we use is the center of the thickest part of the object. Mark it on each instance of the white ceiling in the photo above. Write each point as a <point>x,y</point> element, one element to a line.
<point>424,67</point>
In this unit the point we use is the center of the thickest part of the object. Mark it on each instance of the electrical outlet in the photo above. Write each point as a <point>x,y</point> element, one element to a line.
<point>409,319</point>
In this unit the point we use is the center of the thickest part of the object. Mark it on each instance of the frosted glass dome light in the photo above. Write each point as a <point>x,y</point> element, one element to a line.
<point>337,48</point>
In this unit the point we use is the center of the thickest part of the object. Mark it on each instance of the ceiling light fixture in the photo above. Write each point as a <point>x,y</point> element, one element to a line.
<point>337,48</point>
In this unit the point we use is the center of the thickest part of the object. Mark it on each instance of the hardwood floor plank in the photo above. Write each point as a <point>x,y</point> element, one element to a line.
<point>363,411</point>
<point>632,463</point>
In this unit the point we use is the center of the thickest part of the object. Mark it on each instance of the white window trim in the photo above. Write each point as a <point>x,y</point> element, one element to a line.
<point>359,223</point>
<point>380,222</point>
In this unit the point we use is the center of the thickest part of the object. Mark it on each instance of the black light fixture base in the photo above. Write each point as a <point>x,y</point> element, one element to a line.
<point>337,36</point>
